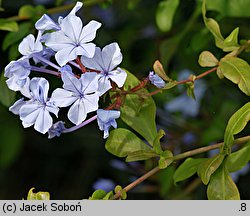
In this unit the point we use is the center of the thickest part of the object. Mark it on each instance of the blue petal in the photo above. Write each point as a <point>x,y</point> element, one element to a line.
<point>62,97</point>
<point>39,88</point>
<point>118,76</point>
<point>72,27</point>
<point>111,55</point>
<point>29,113</point>
<point>43,122</point>
<point>20,68</point>
<point>15,108</point>
<point>104,84</point>
<point>89,82</point>
<point>91,102</point>
<point>89,31</point>
<point>71,83</point>
<point>96,62</point>
<point>46,23</point>
<point>29,46</point>
<point>76,8</point>
<point>77,112</point>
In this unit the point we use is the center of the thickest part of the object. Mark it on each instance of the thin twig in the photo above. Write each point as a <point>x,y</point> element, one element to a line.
<point>179,157</point>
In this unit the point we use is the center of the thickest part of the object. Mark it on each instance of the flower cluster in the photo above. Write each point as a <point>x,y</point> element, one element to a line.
<point>87,72</point>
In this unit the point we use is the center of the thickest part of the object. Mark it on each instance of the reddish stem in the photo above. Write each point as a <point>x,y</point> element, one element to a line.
<point>198,77</point>
<point>83,68</point>
<point>142,84</point>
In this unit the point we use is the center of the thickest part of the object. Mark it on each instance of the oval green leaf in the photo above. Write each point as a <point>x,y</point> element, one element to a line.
<point>8,25</point>
<point>122,142</point>
<point>231,42</point>
<point>236,124</point>
<point>159,70</point>
<point>236,70</point>
<point>139,113</point>
<point>188,168</point>
<point>239,159</point>
<point>213,27</point>
<point>221,186</point>
<point>207,59</point>
<point>208,167</point>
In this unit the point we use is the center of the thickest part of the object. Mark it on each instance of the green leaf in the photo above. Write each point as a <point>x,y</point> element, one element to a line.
<point>165,159</point>
<point>207,59</point>
<point>170,85</point>
<point>236,124</point>
<point>208,167</point>
<point>188,168</point>
<point>122,142</point>
<point>213,27</point>
<point>165,14</point>
<point>190,90</point>
<point>108,196</point>
<point>230,8</point>
<point>239,159</point>
<point>221,186</point>
<point>139,113</point>
<point>7,97</point>
<point>159,70</point>
<point>157,144</point>
<point>231,42</point>
<point>38,196</point>
<point>140,155</point>
<point>26,12</point>
<point>98,195</point>
<point>14,37</point>
<point>8,25</point>
<point>236,70</point>
<point>119,189</point>
<point>165,179</point>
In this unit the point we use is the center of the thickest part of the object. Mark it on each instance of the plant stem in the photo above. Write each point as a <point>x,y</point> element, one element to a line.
<point>179,157</point>
<point>198,77</point>
<point>138,181</point>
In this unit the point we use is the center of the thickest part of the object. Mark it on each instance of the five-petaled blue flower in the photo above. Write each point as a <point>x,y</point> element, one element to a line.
<point>105,61</point>
<point>106,119</point>
<point>37,110</point>
<point>156,80</point>
<point>73,39</point>
<point>82,93</point>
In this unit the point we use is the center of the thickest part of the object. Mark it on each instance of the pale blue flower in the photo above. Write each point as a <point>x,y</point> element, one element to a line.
<point>80,93</point>
<point>46,23</point>
<point>156,80</point>
<point>73,38</point>
<point>105,61</point>
<point>106,119</point>
<point>37,110</point>
<point>30,46</point>
<point>56,129</point>
<point>17,72</point>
